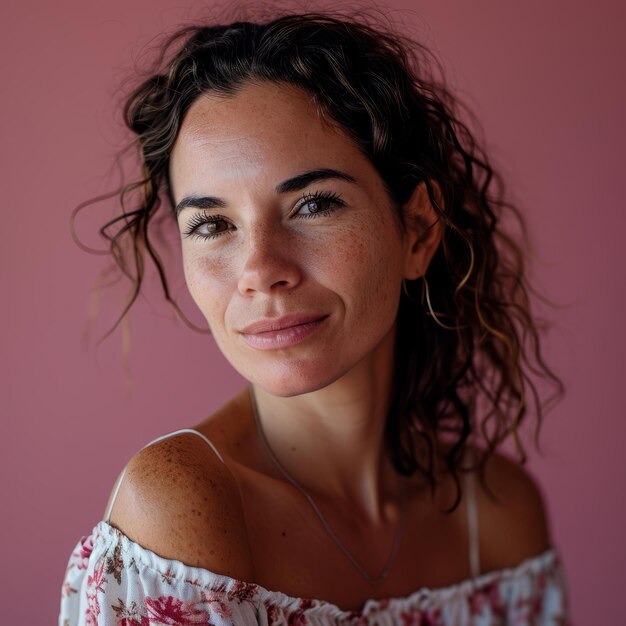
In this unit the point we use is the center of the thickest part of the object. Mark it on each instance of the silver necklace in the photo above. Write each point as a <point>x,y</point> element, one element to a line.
<point>399,528</point>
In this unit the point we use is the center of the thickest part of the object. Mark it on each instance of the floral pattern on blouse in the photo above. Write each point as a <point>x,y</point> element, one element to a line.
<point>113,581</point>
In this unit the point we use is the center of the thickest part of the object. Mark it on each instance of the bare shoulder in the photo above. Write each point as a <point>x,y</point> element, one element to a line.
<point>179,500</point>
<point>512,514</point>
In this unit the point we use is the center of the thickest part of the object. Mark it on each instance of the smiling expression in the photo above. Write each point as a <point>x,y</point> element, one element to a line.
<point>291,247</point>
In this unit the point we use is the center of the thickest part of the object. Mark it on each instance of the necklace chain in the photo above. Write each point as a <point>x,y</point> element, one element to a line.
<point>399,527</point>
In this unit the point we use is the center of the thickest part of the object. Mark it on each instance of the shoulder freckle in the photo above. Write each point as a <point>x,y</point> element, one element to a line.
<point>180,501</point>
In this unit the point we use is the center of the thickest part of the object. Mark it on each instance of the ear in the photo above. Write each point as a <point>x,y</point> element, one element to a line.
<point>423,230</point>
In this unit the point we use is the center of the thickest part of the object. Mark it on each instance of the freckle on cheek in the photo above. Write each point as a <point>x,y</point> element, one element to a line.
<point>209,267</point>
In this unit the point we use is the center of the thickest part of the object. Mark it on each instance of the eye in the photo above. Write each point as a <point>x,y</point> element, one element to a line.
<point>206,226</point>
<point>319,203</point>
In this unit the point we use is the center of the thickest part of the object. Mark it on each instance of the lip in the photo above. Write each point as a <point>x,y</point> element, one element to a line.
<point>280,323</point>
<point>282,332</point>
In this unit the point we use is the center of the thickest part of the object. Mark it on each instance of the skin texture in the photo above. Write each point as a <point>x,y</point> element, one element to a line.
<point>272,260</point>
<point>329,394</point>
<point>322,402</point>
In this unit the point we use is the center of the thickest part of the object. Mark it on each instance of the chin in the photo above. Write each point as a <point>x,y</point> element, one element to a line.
<point>291,381</point>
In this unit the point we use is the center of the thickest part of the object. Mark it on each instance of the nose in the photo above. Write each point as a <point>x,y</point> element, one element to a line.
<point>269,264</point>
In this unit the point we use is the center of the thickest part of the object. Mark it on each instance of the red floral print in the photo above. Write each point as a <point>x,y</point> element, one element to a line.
<point>112,581</point>
<point>129,615</point>
<point>170,611</point>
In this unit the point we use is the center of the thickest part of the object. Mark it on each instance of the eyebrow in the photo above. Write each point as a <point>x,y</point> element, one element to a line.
<point>301,181</point>
<point>296,183</point>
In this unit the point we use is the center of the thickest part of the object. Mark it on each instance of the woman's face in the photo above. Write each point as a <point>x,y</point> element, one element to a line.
<point>291,248</point>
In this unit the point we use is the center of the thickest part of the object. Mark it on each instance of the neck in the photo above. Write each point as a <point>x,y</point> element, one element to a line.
<point>331,441</point>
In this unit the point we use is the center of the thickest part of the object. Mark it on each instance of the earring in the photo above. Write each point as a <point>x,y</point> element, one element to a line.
<point>430,307</point>
<point>406,291</point>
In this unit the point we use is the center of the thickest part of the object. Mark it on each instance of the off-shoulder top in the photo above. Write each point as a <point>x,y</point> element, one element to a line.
<point>111,580</point>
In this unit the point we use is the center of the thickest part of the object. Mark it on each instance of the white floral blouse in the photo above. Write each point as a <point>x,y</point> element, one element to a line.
<point>113,581</point>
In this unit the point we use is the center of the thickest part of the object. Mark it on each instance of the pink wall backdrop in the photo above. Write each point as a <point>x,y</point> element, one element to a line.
<point>545,79</point>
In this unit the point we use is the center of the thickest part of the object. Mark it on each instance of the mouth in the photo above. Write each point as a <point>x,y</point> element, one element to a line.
<point>282,332</point>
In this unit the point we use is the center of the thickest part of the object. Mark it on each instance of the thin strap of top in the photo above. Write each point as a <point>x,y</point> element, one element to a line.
<point>472,520</point>
<point>176,432</point>
<point>470,490</point>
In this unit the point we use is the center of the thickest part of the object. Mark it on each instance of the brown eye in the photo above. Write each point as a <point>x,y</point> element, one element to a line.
<point>207,226</point>
<point>314,205</point>
<point>213,226</point>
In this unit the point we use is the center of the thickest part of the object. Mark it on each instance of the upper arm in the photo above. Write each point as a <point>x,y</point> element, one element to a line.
<point>514,524</point>
<point>180,501</point>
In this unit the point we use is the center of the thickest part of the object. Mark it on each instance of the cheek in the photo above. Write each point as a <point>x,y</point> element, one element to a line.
<point>206,280</point>
<point>371,258</point>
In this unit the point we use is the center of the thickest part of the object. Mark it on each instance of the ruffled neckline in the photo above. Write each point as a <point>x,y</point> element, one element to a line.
<point>172,568</point>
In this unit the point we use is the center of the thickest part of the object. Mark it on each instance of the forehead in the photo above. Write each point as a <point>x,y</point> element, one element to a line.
<point>262,129</point>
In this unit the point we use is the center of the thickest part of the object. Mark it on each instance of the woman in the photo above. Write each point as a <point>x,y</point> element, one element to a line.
<point>341,235</point>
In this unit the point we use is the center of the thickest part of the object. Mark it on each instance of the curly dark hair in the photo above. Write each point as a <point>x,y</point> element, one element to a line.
<point>465,331</point>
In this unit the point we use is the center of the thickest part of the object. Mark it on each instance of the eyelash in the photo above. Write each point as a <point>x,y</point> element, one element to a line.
<point>200,219</point>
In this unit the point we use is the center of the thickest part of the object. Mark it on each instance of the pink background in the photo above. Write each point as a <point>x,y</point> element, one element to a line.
<point>545,79</point>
